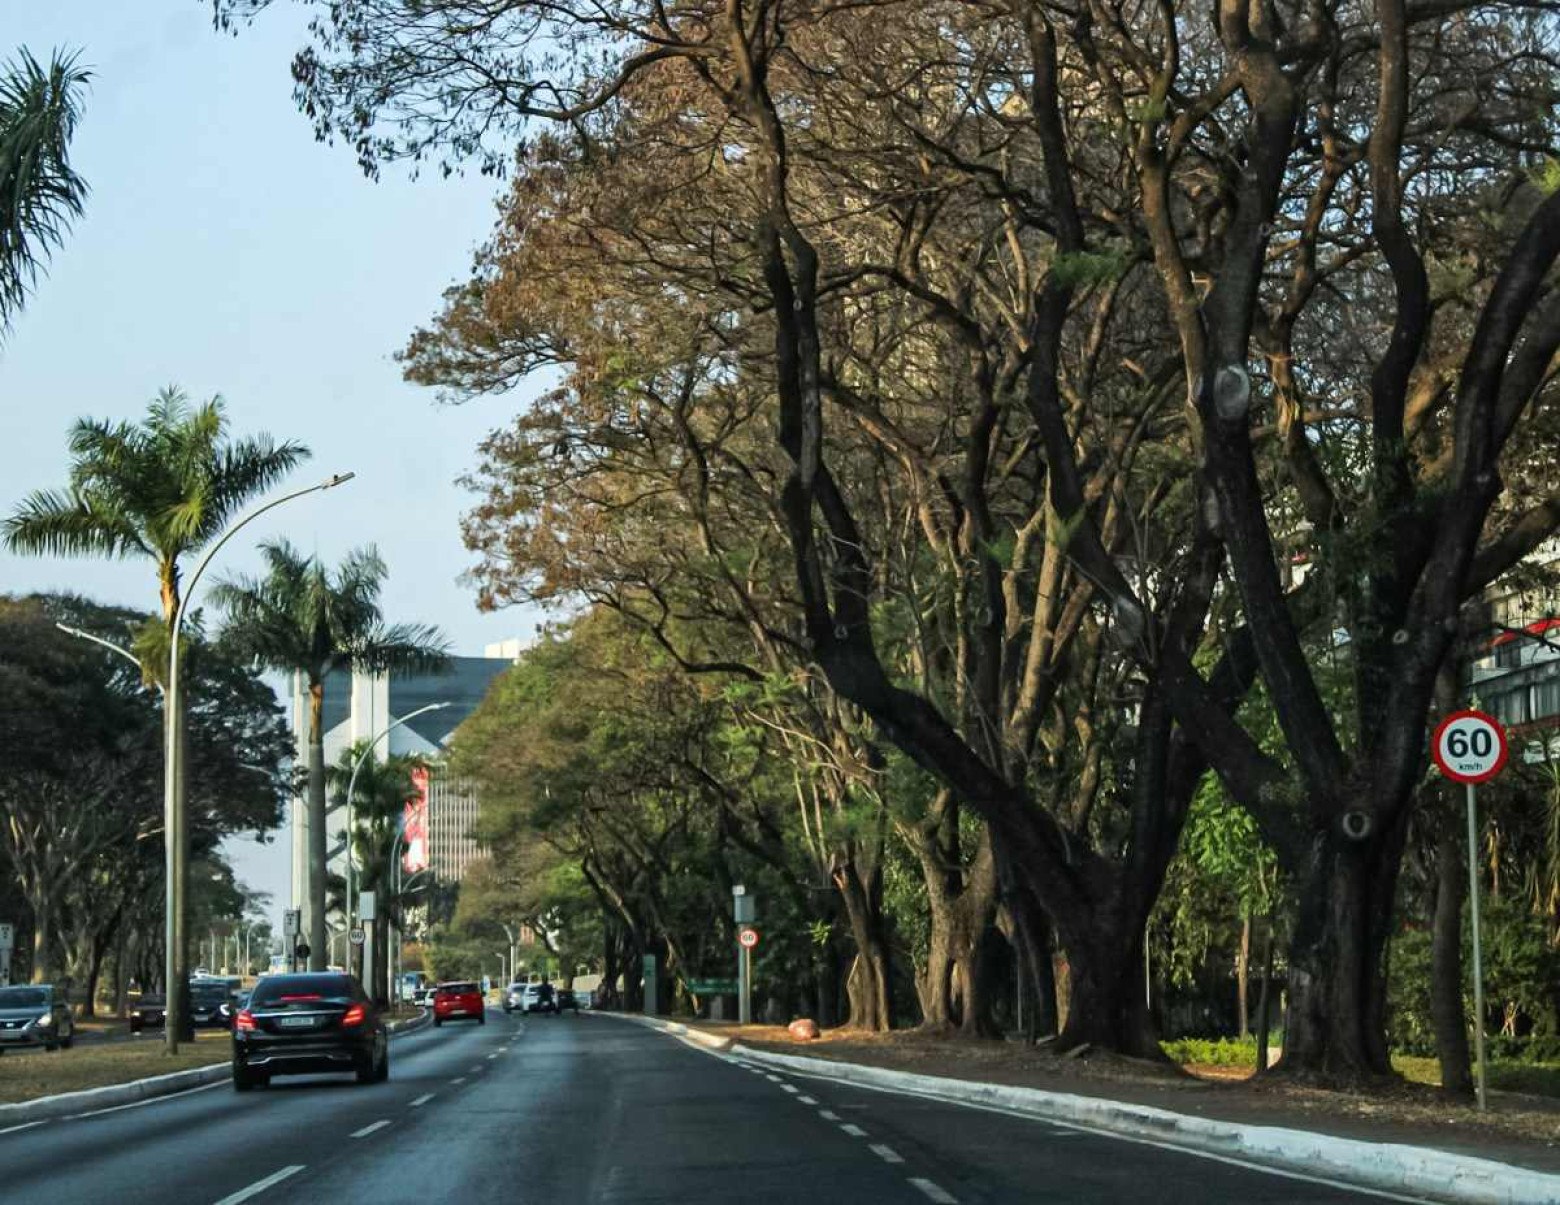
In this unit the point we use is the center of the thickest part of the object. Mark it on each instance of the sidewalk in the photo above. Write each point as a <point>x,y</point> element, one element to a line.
<point>1407,1140</point>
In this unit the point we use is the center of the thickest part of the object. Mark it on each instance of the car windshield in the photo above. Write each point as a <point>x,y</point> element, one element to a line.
<point>23,997</point>
<point>287,990</point>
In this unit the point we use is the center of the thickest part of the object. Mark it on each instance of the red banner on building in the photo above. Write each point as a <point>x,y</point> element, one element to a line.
<point>414,824</point>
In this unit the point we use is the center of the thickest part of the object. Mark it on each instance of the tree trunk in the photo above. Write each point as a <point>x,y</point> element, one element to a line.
<point>43,941</point>
<point>1334,1029</point>
<point>1243,976</point>
<point>315,842</point>
<point>1106,1004</point>
<point>1264,997</point>
<point>867,984</point>
<point>961,905</point>
<point>1446,973</point>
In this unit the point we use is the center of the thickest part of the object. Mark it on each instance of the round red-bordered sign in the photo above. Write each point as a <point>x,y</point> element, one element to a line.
<point>1469,746</point>
<point>748,938</point>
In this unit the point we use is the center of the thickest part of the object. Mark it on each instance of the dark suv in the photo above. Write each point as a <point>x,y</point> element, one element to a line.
<point>298,1024</point>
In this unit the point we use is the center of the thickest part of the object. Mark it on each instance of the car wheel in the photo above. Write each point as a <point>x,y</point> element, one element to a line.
<point>51,1047</point>
<point>67,1043</point>
<point>243,1079</point>
<point>368,1073</point>
<point>438,1021</point>
<point>481,1020</point>
<point>384,1066</point>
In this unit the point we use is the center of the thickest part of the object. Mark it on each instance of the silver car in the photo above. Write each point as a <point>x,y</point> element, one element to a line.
<point>35,1015</point>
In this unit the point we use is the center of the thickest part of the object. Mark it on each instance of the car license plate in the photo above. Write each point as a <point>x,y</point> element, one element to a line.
<point>296,1022</point>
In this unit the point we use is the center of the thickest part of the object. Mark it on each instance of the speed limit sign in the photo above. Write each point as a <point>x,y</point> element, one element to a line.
<point>1469,747</point>
<point>748,938</point>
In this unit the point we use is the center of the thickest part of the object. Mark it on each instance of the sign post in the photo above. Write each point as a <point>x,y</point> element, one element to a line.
<point>744,912</point>
<point>292,926</point>
<point>7,941</point>
<point>1470,747</point>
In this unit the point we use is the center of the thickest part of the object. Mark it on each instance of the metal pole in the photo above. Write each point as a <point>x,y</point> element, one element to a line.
<point>1478,944</point>
<point>176,1018</point>
<point>745,1000</point>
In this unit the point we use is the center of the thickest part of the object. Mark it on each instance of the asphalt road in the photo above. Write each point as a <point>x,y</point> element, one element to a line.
<point>592,1109</point>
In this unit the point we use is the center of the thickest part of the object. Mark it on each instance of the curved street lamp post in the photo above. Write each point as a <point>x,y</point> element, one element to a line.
<point>175,815</point>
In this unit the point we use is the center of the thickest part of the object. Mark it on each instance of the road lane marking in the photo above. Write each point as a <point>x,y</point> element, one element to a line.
<point>476,1069</point>
<point>460,1080</point>
<point>806,1100</point>
<point>493,1056</point>
<point>26,1125</point>
<point>259,1186</point>
<point>854,1131</point>
<point>150,1100</point>
<point>773,1079</point>
<point>934,1192</point>
<point>791,1088</point>
<point>886,1153</point>
<point>422,1100</point>
<point>369,1129</point>
<point>827,1115</point>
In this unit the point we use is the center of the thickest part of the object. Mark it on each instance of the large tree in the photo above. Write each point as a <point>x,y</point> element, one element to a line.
<point>302,617</point>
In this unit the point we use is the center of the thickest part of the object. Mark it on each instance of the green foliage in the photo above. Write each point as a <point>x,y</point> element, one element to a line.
<point>1216,1052</point>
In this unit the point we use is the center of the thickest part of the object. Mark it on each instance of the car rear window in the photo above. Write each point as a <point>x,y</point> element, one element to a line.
<point>23,997</point>
<point>457,989</point>
<point>209,991</point>
<point>304,989</point>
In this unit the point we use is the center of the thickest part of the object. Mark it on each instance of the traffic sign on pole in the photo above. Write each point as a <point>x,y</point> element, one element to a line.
<point>748,938</point>
<point>355,937</point>
<point>292,922</point>
<point>1470,747</point>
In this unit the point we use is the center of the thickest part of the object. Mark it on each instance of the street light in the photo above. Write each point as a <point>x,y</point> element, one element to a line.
<point>400,888</point>
<point>175,820</point>
<point>108,644</point>
<point>362,758</point>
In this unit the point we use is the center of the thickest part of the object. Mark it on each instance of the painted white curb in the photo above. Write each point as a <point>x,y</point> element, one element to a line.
<point>90,1100</point>
<point>1417,1171</point>
<point>1386,1166</point>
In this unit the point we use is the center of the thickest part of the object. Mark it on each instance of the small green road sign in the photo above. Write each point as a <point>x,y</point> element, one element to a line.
<point>712,987</point>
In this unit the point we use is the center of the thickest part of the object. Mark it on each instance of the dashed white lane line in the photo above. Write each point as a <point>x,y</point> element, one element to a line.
<point>827,1115</point>
<point>934,1192</point>
<point>853,1131</point>
<point>806,1100</point>
<point>886,1153</point>
<point>370,1128</point>
<point>791,1088</point>
<point>476,1069</point>
<point>492,1056</point>
<point>259,1186</point>
<point>773,1079</point>
<point>422,1100</point>
<point>459,1080</point>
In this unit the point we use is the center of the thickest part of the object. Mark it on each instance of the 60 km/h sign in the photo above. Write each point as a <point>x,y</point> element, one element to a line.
<point>748,938</point>
<point>1469,747</point>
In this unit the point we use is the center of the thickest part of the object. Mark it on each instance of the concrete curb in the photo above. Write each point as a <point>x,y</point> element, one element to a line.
<point>89,1100</point>
<point>1384,1166</point>
<point>1389,1167</point>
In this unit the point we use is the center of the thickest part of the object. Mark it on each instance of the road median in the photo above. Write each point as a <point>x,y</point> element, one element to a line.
<point>1415,1171</point>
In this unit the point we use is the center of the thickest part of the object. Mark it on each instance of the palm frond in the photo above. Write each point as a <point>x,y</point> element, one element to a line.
<point>69,524</point>
<point>39,191</point>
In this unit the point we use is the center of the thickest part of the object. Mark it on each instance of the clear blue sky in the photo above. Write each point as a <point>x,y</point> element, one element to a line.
<point>225,251</point>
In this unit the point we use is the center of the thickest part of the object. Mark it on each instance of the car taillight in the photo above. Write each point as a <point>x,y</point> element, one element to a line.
<point>245,1020</point>
<point>354,1015</point>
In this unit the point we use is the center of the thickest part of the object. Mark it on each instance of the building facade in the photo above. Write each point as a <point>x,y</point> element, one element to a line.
<point>1517,677</point>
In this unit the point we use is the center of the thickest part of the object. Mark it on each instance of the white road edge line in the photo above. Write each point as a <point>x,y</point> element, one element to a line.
<point>370,1128</point>
<point>886,1153</point>
<point>853,1130</point>
<point>26,1125</point>
<point>259,1186</point>
<point>1190,1152</point>
<point>422,1100</point>
<point>150,1100</point>
<point>934,1192</point>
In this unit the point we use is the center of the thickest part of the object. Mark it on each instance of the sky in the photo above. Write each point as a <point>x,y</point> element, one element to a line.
<point>223,250</point>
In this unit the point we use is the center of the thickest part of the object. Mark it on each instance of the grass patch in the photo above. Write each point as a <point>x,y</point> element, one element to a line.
<point>1217,1052</point>
<point>1535,1079</point>
<point>29,1076</point>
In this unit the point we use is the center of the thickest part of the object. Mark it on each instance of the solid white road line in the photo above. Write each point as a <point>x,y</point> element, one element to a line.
<point>259,1186</point>
<point>422,1100</point>
<point>806,1100</point>
<point>854,1131</point>
<point>150,1100</point>
<point>369,1129</point>
<point>26,1125</point>
<point>934,1192</point>
<point>886,1153</point>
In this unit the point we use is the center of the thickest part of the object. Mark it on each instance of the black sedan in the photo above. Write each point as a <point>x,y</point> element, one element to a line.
<point>147,1013</point>
<point>301,1024</point>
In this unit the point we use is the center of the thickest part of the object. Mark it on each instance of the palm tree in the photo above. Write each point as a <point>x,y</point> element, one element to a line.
<point>39,193</point>
<point>161,489</point>
<point>379,798</point>
<point>301,618</point>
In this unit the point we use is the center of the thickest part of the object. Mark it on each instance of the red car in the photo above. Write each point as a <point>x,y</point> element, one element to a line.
<point>452,1001</point>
